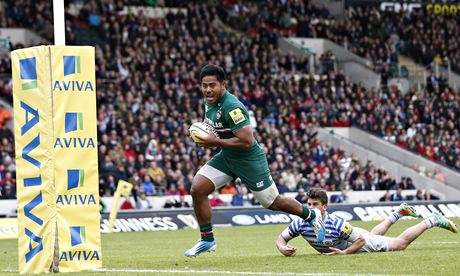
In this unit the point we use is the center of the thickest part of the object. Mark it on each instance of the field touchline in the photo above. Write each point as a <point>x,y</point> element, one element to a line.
<point>220,272</point>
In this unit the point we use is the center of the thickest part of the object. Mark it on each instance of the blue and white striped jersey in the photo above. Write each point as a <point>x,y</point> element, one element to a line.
<point>339,233</point>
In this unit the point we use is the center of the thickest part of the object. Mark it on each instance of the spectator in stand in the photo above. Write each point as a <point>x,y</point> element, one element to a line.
<point>237,200</point>
<point>397,196</point>
<point>170,202</point>
<point>157,174</point>
<point>143,202</point>
<point>386,197</point>
<point>5,115</point>
<point>181,189</point>
<point>327,61</point>
<point>419,195</point>
<point>216,200</point>
<point>282,189</point>
<point>173,191</point>
<point>429,196</point>
<point>127,204</point>
<point>228,189</point>
<point>173,202</point>
<point>182,202</point>
<point>242,198</point>
<point>341,198</point>
<point>110,186</point>
<point>7,192</point>
<point>406,184</point>
<point>301,196</point>
<point>147,186</point>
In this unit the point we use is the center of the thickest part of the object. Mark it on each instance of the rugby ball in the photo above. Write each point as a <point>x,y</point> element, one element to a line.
<point>201,130</point>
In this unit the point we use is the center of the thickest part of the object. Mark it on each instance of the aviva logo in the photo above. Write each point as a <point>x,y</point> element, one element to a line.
<point>75,178</point>
<point>77,235</point>
<point>71,65</point>
<point>28,72</point>
<point>73,121</point>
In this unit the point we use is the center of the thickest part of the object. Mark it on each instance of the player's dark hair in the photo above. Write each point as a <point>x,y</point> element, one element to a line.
<point>213,70</point>
<point>318,194</point>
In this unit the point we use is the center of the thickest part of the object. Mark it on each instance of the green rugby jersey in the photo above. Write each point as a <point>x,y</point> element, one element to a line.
<point>229,115</point>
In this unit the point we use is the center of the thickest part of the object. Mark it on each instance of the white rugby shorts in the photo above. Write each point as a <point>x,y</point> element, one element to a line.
<point>374,243</point>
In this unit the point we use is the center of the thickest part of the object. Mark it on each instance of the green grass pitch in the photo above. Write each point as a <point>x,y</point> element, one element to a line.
<point>251,251</point>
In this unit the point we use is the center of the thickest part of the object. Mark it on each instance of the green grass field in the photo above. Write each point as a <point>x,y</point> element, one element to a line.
<point>251,251</point>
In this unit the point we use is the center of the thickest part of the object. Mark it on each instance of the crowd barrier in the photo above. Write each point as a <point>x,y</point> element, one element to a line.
<point>183,218</point>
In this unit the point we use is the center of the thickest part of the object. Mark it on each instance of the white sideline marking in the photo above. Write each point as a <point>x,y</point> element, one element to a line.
<point>210,271</point>
<point>222,272</point>
<point>443,242</point>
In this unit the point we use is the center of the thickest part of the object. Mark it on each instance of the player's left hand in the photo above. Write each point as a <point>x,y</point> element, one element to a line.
<point>288,250</point>
<point>209,141</point>
<point>334,251</point>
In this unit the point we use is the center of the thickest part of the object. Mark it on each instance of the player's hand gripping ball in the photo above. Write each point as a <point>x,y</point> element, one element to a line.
<point>201,130</point>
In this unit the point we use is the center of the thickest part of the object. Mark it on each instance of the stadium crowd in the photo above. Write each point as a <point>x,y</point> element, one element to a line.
<point>379,36</point>
<point>148,94</point>
<point>414,121</point>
